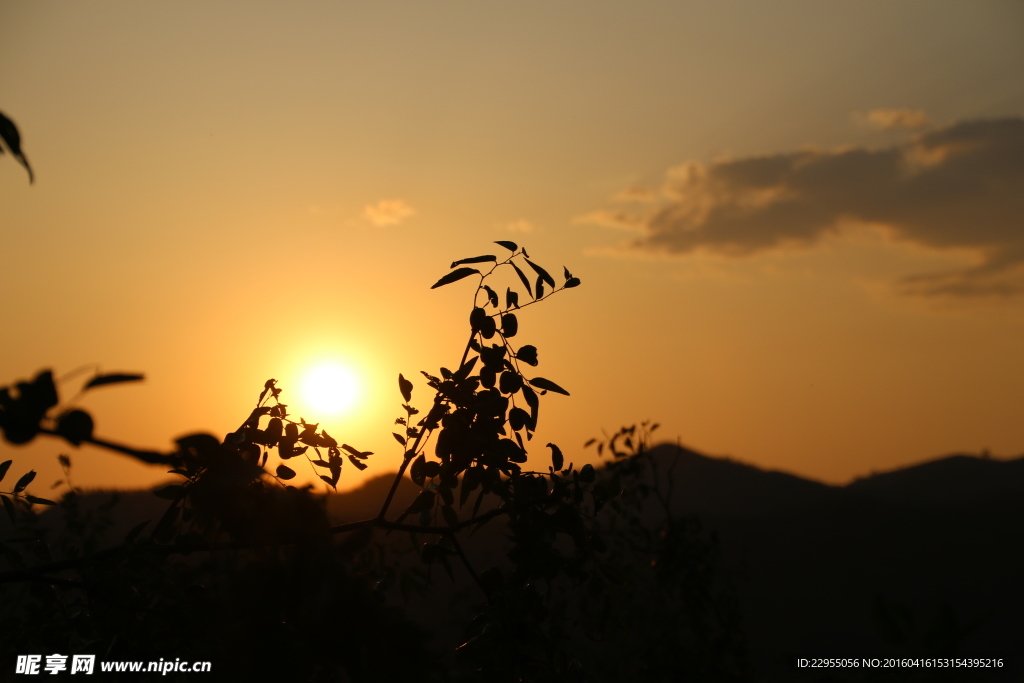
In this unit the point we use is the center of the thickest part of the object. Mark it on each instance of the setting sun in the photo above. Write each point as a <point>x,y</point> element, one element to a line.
<point>329,388</point>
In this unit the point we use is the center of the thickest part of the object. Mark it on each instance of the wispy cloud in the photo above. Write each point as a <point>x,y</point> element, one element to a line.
<point>521,225</point>
<point>956,187</point>
<point>892,119</point>
<point>387,212</point>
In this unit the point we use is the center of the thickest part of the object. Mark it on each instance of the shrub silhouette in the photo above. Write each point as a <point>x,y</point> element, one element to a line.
<point>244,570</point>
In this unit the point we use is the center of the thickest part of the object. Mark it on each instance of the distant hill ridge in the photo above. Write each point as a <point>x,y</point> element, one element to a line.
<point>723,487</point>
<point>813,564</point>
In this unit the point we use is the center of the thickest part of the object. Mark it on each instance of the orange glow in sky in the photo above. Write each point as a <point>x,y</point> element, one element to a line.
<point>797,225</point>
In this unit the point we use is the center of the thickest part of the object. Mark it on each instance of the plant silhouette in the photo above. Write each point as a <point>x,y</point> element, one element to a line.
<point>245,570</point>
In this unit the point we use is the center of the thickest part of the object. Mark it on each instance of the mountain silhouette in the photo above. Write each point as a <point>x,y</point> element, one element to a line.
<point>922,561</point>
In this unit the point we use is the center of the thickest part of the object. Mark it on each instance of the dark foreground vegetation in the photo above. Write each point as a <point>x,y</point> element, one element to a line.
<point>246,571</point>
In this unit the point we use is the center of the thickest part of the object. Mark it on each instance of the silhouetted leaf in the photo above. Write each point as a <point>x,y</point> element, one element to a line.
<point>572,282</point>
<point>405,386</point>
<point>477,317</point>
<point>9,507</point>
<point>11,137</point>
<point>510,382</point>
<point>358,464</point>
<point>112,378</point>
<point>423,502</point>
<point>511,299</point>
<point>357,453</point>
<point>540,287</point>
<point>488,327</point>
<point>446,495</point>
<point>473,259</point>
<point>587,474</point>
<point>134,532</point>
<point>464,370</point>
<point>449,515</point>
<point>399,438</point>
<point>38,501</point>
<point>522,276</point>
<point>511,246</point>
<point>431,468</point>
<point>170,492</point>
<point>492,296</point>
<point>454,276</point>
<point>416,472</point>
<point>544,275</point>
<point>556,457</point>
<point>547,385</point>
<point>509,325</point>
<point>517,418</point>
<point>533,402</point>
<point>568,275</point>
<point>4,466</point>
<point>75,426</point>
<point>527,354</point>
<point>285,472</point>
<point>25,480</point>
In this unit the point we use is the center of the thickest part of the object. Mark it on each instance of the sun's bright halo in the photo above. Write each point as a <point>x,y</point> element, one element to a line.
<point>330,388</point>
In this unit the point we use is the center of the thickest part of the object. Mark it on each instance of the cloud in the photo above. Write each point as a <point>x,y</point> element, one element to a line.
<point>520,225</point>
<point>387,212</point>
<point>891,119</point>
<point>957,187</point>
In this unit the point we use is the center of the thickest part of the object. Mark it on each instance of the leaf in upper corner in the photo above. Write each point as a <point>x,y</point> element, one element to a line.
<point>75,426</point>
<point>285,472</point>
<point>4,466</point>
<point>473,259</point>
<point>113,378</point>
<point>12,138</point>
<point>556,457</point>
<point>405,386</point>
<point>454,276</point>
<point>545,275</point>
<point>511,246</point>
<point>522,276</point>
<point>547,385</point>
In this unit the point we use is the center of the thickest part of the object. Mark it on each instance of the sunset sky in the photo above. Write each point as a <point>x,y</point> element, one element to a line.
<point>799,225</point>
